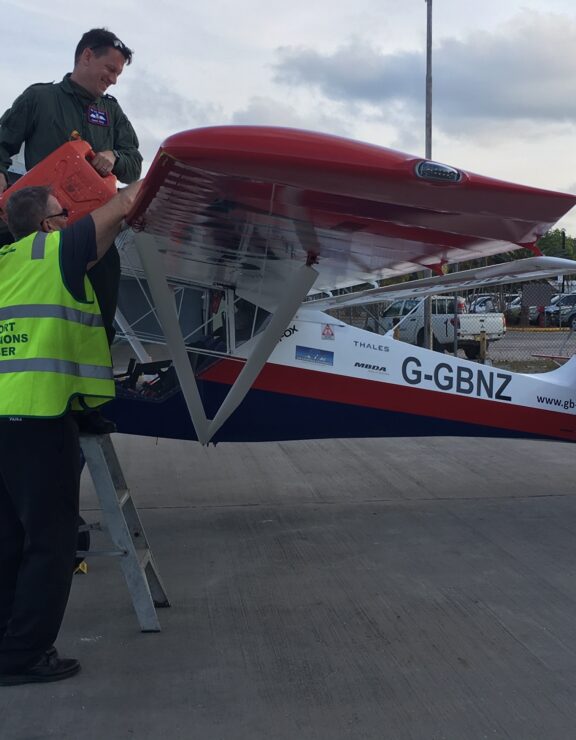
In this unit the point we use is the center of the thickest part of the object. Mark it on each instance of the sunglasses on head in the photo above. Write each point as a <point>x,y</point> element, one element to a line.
<point>116,44</point>
<point>119,45</point>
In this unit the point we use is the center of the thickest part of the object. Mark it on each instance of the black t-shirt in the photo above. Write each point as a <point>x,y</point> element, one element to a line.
<point>78,248</point>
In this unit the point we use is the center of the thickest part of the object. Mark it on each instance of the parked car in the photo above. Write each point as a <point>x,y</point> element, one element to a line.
<point>485,304</point>
<point>561,312</point>
<point>407,314</point>
<point>539,315</point>
<point>513,311</point>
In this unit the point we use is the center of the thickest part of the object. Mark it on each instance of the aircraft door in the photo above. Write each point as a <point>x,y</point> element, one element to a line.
<point>409,323</point>
<point>392,315</point>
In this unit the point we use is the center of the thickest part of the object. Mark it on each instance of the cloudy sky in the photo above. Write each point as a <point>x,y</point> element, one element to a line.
<point>504,72</point>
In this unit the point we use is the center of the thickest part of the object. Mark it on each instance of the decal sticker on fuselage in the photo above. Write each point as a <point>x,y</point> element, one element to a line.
<point>317,356</point>
<point>371,368</point>
<point>371,345</point>
<point>290,331</point>
<point>327,332</point>
<point>480,382</point>
<point>568,404</point>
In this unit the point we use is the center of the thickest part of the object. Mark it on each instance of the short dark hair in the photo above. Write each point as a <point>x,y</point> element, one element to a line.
<point>26,209</point>
<point>100,40</point>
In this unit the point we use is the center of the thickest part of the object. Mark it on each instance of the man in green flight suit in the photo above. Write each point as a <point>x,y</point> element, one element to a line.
<point>45,116</point>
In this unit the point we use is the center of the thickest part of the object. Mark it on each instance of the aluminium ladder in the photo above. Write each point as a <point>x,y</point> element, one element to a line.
<point>125,529</point>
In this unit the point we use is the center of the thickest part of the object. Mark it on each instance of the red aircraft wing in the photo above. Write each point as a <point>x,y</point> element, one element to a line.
<point>235,203</point>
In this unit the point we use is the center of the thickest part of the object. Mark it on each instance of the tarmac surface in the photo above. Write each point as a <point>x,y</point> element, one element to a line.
<point>329,590</point>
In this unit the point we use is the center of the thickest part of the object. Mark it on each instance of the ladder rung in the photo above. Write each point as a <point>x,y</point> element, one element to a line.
<point>101,553</point>
<point>145,558</point>
<point>90,527</point>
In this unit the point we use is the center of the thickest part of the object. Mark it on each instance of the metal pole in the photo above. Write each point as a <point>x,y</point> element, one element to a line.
<point>428,146</point>
<point>564,255</point>
<point>429,80</point>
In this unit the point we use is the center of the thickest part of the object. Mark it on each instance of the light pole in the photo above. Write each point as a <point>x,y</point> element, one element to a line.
<point>429,79</point>
<point>565,256</point>
<point>428,155</point>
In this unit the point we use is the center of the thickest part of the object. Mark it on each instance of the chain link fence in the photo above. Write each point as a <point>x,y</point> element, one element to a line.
<point>540,326</point>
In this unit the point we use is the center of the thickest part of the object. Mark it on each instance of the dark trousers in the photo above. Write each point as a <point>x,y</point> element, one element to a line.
<point>39,492</point>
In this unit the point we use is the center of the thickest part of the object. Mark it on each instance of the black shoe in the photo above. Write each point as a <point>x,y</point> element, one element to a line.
<point>49,668</point>
<point>92,422</point>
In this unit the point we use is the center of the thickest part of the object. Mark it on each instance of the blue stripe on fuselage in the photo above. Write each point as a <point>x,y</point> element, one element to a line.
<point>264,417</point>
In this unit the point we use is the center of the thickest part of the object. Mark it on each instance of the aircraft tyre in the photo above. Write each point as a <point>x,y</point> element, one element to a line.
<point>472,352</point>
<point>436,346</point>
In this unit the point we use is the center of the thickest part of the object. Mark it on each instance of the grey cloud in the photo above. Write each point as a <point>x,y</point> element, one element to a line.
<point>354,72</point>
<point>150,98</point>
<point>157,110</point>
<point>149,143</point>
<point>265,111</point>
<point>517,73</point>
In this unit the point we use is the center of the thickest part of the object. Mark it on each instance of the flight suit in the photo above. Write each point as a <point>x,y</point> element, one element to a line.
<point>46,114</point>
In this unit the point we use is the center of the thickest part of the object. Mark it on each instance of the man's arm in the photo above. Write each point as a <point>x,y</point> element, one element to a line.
<point>109,217</point>
<point>15,126</point>
<point>128,164</point>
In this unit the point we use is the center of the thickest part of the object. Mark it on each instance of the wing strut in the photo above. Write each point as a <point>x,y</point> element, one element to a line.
<point>296,290</point>
<point>133,340</point>
<point>168,318</point>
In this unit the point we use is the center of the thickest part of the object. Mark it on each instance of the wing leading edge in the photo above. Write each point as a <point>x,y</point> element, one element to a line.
<point>516,271</point>
<point>243,206</point>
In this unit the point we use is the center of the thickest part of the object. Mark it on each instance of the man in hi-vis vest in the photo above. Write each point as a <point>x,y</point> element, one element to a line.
<point>54,358</point>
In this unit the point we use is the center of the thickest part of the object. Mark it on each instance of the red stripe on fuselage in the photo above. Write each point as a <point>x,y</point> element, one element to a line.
<point>398,398</point>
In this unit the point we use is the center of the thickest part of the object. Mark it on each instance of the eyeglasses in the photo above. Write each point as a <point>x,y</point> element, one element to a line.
<point>63,213</point>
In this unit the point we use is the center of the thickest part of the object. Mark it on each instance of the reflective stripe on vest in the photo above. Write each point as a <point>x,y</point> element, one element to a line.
<point>39,246</point>
<point>40,364</point>
<point>50,312</point>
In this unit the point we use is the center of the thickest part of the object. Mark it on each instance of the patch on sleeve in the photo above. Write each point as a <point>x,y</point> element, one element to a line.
<point>98,117</point>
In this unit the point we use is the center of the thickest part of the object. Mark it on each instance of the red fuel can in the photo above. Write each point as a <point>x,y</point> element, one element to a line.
<point>75,183</point>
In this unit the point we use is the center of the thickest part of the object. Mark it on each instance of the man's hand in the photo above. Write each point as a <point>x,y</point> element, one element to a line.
<point>104,162</point>
<point>3,183</point>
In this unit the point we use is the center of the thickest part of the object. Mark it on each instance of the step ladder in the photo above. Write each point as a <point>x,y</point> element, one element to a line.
<point>125,530</point>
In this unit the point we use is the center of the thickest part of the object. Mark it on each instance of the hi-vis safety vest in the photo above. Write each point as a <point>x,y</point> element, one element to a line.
<point>54,353</point>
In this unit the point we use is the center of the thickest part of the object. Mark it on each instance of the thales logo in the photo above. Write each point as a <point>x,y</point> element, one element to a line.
<point>367,366</point>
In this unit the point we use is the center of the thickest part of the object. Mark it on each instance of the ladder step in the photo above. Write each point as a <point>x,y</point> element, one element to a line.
<point>145,558</point>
